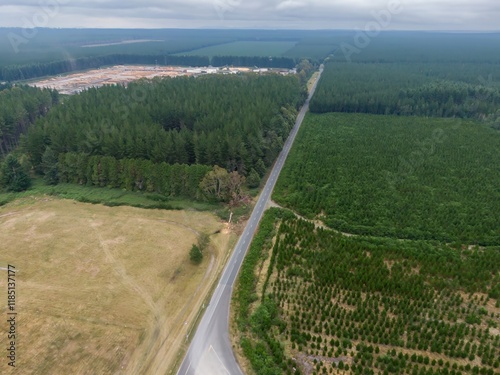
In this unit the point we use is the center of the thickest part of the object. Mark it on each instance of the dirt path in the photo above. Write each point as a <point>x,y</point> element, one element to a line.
<point>160,346</point>
<point>121,272</point>
<point>317,223</point>
<point>153,331</point>
<point>178,339</point>
<point>126,288</point>
<point>8,214</point>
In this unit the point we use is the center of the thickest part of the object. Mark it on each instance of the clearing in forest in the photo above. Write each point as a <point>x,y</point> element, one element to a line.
<point>245,48</point>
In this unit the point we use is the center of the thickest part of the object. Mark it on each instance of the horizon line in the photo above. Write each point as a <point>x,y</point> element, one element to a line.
<point>457,31</point>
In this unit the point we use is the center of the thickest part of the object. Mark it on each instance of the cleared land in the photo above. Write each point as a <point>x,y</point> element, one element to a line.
<point>122,75</point>
<point>104,290</point>
<point>120,43</point>
<point>244,49</point>
<point>77,82</point>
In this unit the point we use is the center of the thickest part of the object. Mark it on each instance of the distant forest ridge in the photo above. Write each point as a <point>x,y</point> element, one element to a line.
<point>25,72</point>
<point>56,51</point>
<point>460,90</point>
<point>51,52</point>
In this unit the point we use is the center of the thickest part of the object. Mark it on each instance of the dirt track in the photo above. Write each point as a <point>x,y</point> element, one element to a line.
<point>107,289</point>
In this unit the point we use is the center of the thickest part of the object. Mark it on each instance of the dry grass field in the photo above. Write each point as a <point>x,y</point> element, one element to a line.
<point>103,290</point>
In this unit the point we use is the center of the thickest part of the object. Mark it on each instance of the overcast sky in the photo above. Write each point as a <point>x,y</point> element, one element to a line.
<point>293,14</point>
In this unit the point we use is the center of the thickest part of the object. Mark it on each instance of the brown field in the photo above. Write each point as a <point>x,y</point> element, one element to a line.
<point>75,83</point>
<point>103,290</point>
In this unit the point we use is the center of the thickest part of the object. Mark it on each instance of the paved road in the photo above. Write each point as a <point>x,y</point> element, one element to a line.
<point>210,352</point>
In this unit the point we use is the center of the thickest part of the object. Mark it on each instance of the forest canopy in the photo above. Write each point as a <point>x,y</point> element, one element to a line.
<point>232,121</point>
<point>123,136</point>
<point>410,89</point>
<point>20,106</point>
<point>396,176</point>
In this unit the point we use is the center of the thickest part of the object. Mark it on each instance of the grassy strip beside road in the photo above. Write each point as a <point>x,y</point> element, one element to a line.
<point>108,197</point>
<point>245,290</point>
<point>245,295</point>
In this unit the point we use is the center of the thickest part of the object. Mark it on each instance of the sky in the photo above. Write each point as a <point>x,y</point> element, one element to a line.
<point>461,15</point>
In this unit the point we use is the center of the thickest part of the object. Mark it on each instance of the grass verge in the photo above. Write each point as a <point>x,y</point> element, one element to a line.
<point>109,197</point>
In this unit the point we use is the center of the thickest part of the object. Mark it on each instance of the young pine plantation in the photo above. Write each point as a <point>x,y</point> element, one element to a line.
<point>385,258</point>
<point>331,304</point>
<point>403,177</point>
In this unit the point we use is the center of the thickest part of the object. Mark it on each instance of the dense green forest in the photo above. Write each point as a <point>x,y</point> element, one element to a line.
<point>423,47</point>
<point>368,306</point>
<point>129,174</point>
<point>407,177</point>
<point>165,135</point>
<point>233,121</point>
<point>416,89</point>
<point>20,106</point>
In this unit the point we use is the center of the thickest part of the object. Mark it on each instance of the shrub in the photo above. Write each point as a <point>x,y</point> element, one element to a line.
<point>195,255</point>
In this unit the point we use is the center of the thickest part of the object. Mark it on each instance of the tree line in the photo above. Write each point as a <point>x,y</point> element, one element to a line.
<point>179,180</point>
<point>408,90</point>
<point>236,122</point>
<point>264,351</point>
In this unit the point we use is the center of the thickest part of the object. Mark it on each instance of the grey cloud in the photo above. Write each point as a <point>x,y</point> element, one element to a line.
<point>417,14</point>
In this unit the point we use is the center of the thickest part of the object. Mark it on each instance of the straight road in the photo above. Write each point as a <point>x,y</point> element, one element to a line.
<point>210,352</point>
